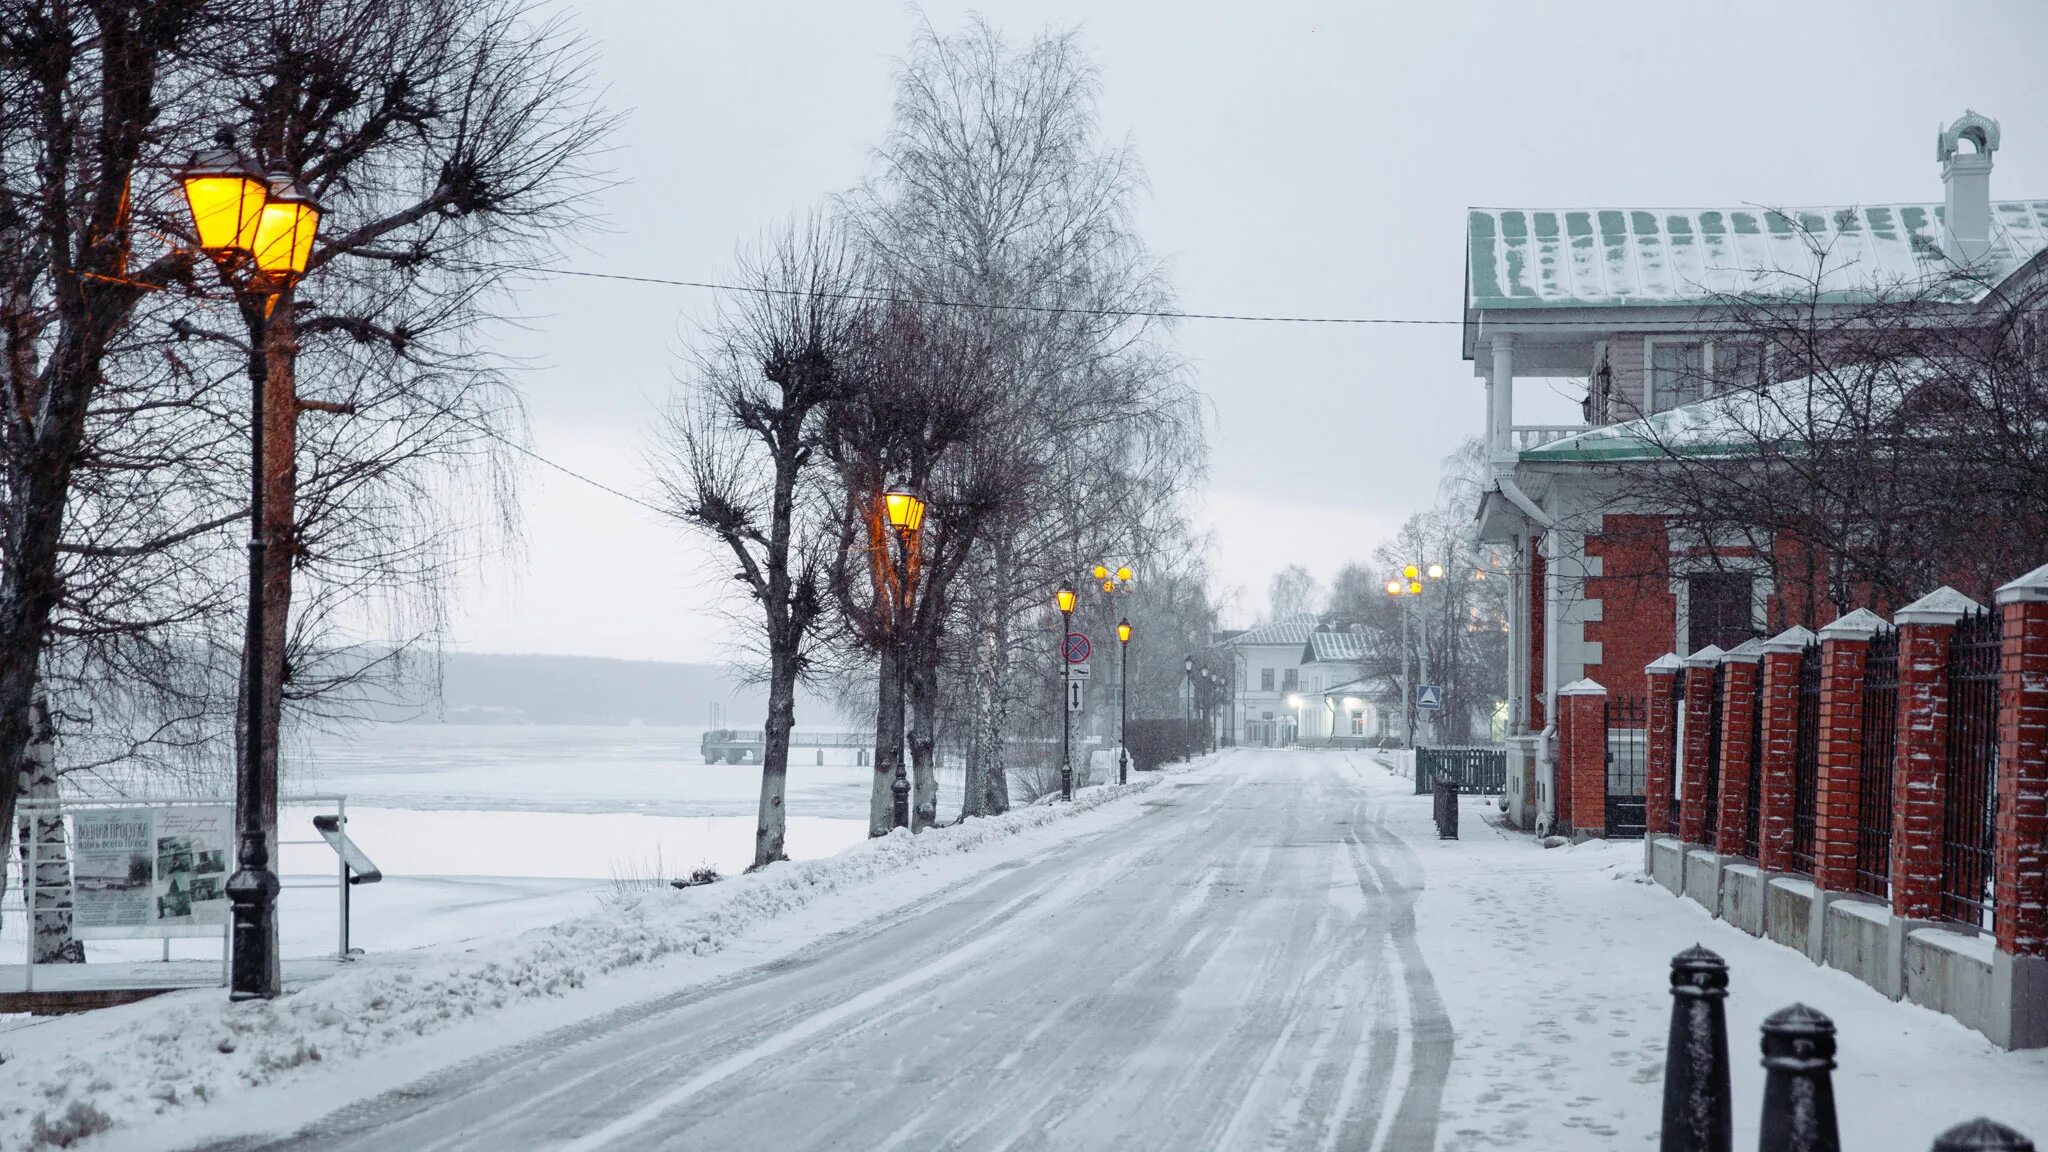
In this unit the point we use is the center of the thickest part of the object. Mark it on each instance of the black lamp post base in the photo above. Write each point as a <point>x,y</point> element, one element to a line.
<point>253,894</point>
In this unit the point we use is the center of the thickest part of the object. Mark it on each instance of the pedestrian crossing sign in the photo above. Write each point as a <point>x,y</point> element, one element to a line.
<point>1429,697</point>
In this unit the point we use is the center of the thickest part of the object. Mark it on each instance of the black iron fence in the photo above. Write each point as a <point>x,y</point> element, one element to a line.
<point>1752,813</point>
<point>1799,1049</point>
<point>1628,730</point>
<point>1874,765</point>
<point>1806,759</point>
<point>1473,770</point>
<point>1674,802</point>
<point>1970,804</point>
<point>1711,770</point>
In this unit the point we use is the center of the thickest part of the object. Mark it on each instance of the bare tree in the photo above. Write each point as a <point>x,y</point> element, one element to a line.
<point>738,451</point>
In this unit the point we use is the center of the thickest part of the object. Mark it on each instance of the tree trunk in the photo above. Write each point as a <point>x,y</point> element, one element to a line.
<point>924,739</point>
<point>51,920</point>
<point>995,782</point>
<point>981,736</point>
<point>773,820</point>
<point>888,744</point>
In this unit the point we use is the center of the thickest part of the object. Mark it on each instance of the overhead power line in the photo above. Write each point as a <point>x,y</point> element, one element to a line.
<point>879,297</point>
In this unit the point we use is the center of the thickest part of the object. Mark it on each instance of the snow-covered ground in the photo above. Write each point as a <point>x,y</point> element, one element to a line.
<point>192,1057</point>
<point>1269,950</point>
<point>1554,965</point>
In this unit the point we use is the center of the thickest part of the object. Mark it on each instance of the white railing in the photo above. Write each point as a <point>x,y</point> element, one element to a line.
<point>1527,436</point>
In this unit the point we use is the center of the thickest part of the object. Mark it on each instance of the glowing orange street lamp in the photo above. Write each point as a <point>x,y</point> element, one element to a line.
<point>1123,700</point>
<point>904,508</point>
<point>1066,598</point>
<point>259,231</point>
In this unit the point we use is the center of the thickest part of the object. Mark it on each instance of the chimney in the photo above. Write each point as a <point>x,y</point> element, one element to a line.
<point>1966,178</point>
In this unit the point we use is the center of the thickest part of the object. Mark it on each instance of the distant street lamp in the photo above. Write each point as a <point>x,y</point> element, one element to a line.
<point>1406,590</point>
<point>1123,700</point>
<point>905,510</point>
<point>1065,598</point>
<point>258,228</point>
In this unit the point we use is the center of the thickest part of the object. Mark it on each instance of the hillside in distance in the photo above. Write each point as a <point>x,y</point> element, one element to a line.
<point>531,688</point>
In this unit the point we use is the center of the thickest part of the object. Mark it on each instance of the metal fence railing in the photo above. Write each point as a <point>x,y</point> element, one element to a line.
<point>1874,765</point>
<point>1970,802</point>
<point>1711,770</point>
<point>1473,770</point>
<point>1806,759</point>
<point>1627,762</point>
<point>1752,826</point>
<point>1676,752</point>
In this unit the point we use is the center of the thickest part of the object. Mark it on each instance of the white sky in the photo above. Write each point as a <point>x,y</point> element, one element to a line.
<point>1303,159</point>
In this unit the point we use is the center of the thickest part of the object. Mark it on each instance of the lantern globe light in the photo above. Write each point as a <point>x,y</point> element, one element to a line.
<point>225,192</point>
<point>1065,597</point>
<point>904,507</point>
<point>1436,571</point>
<point>1101,572</point>
<point>285,230</point>
<point>1393,587</point>
<point>1124,574</point>
<point>1123,631</point>
<point>1411,572</point>
<point>1415,587</point>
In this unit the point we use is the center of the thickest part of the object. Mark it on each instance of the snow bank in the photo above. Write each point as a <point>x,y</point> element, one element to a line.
<point>187,1049</point>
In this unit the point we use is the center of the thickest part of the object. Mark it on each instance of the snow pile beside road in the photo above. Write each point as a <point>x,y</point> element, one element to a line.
<point>191,1048</point>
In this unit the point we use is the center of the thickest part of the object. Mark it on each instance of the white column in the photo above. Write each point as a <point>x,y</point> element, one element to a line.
<point>1500,399</point>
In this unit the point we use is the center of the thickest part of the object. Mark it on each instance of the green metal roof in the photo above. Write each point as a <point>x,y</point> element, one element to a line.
<point>1597,257</point>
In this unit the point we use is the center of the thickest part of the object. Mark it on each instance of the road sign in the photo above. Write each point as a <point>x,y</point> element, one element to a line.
<point>1074,695</point>
<point>1077,648</point>
<point>1078,671</point>
<point>1429,697</point>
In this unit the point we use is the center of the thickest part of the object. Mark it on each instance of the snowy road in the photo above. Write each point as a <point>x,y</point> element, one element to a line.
<point>1236,969</point>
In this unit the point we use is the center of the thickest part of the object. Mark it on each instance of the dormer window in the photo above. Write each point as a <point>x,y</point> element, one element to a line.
<point>1683,371</point>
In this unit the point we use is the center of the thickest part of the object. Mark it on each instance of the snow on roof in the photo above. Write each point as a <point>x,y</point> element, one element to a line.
<point>1594,257</point>
<point>1294,629</point>
<point>1731,423</point>
<point>1333,647</point>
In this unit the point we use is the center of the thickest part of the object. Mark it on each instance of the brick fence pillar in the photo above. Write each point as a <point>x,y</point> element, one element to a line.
<point>1692,765</point>
<point>1778,696</point>
<point>1920,758</point>
<point>2019,969</point>
<point>1738,758</point>
<point>1844,650</point>
<point>1660,722</point>
<point>2020,853</point>
<point>1582,774</point>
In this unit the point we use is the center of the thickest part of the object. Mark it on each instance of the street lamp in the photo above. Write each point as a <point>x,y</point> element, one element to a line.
<point>1406,589</point>
<point>1065,597</point>
<point>1123,700</point>
<point>904,508</point>
<point>259,232</point>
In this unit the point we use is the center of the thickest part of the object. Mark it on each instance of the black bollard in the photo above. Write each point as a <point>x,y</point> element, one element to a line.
<point>1697,1116</point>
<point>1799,1093</point>
<point>1981,1135</point>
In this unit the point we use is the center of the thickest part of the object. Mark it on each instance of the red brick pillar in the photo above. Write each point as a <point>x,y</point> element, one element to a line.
<point>1582,773</point>
<point>1778,696</point>
<point>1660,678</point>
<point>2020,853</point>
<point>1920,758</point>
<point>1692,764</point>
<point>1739,672</point>
<point>1844,649</point>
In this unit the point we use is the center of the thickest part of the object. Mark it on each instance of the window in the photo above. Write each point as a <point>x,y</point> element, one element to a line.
<point>1290,680</point>
<point>1357,723</point>
<point>1677,371</point>
<point>1737,365</point>
<point>1265,680</point>
<point>1718,609</point>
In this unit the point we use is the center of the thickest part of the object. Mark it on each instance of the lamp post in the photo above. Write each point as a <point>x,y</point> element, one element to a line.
<point>1065,599</point>
<point>1406,589</point>
<point>259,231</point>
<point>905,510</point>
<point>1123,700</point>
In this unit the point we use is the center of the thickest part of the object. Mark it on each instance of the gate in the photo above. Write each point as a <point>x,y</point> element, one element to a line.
<point>1473,771</point>
<point>1627,756</point>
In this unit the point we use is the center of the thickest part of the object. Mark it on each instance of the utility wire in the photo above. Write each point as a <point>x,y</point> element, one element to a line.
<point>877,296</point>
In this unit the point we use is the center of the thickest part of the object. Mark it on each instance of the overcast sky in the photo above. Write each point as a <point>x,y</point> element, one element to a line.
<point>1304,159</point>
